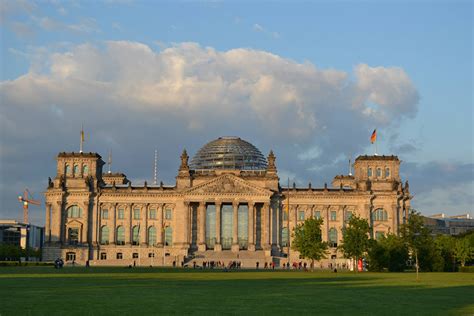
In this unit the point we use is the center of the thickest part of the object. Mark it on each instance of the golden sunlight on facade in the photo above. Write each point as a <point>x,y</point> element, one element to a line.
<point>227,205</point>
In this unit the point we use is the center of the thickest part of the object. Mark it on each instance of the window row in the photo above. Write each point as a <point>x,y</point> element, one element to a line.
<point>119,255</point>
<point>317,214</point>
<point>136,213</point>
<point>380,215</point>
<point>151,235</point>
<point>74,171</point>
<point>378,172</point>
<point>332,237</point>
<point>76,212</point>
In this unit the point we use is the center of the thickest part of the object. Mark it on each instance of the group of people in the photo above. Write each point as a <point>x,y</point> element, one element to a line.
<point>58,263</point>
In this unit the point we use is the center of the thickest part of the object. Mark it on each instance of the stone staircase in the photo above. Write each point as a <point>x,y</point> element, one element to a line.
<point>248,259</point>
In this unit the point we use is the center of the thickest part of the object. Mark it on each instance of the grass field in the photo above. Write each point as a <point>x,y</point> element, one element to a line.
<point>44,290</point>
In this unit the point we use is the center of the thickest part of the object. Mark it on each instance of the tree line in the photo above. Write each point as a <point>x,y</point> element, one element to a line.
<point>414,246</point>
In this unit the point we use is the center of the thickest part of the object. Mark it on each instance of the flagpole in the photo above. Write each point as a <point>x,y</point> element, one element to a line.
<point>82,138</point>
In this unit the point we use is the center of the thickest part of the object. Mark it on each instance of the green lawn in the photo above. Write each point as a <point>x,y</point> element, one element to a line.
<point>46,291</point>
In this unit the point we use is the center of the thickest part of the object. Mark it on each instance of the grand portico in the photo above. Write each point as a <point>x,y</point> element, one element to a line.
<point>227,204</point>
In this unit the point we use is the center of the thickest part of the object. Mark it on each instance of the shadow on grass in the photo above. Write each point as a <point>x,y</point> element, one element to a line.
<point>111,291</point>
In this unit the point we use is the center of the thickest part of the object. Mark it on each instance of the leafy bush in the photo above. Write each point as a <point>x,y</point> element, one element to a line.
<point>468,269</point>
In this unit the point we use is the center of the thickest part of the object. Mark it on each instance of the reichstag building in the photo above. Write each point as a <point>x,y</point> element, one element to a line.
<point>227,205</point>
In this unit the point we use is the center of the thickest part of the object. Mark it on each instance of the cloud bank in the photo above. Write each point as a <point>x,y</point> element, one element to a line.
<point>133,99</point>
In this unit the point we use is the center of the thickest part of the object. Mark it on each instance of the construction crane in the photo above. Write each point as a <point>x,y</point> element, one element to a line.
<point>26,200</point>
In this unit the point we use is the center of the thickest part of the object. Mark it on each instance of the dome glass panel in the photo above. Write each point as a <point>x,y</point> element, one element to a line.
<point>228,153</point>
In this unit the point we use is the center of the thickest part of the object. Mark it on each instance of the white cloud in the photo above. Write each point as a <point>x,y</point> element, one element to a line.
<point>186,94</point>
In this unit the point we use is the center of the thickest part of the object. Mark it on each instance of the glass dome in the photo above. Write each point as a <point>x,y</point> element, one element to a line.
<point>228,153</point>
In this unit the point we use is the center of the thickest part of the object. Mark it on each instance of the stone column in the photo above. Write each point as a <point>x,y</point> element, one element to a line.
<point>266,226</point>
<point>114,227</point>
<point>48,223</point>
<point>251,230</point>
<point>327,222</point>
<point>186,227</point>
<point>85,227</point>
<point>235,227</point>
<point>394,215</point>
<point>218,246</point>
<point>93,211</point>
<point>368,212</point>
<point>278,226</point>
<point>57,222</point>
<point>202,226</point>
<point>143,224</point>
<point>128,224</point>
<point>160,228</point>
<point>62,214</point>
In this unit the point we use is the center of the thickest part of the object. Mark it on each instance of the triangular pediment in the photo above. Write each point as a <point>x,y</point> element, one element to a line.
<point>227,184</point>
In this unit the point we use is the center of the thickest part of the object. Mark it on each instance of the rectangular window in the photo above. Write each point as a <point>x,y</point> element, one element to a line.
<point>105,214</point>
<point>136,213</point>
<point>300,215</point>
<point>119,255</point>
<point>369,172</point>
<point>152,214</point>
<point>121,213</point>
<point>71,256</point>
<point>333,215</point>
<point>135,255</point>
<point>348,216</point>
<point>387,172</point>
<point>379,173</point>
<point>168,213</point>
<point>103,256</point>
<point>284,215</point>
<point>317,214</point>
<point>151,255</point>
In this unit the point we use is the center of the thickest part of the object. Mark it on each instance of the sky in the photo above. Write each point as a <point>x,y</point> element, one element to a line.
<point>308,80</point>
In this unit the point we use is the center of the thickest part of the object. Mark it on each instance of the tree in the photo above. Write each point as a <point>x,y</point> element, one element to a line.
<point>417,237</point>
<point>446,245</point>
<point>307,240</point>
<point>463,250</point>
<point>355,238</point>
<point>389,253</point>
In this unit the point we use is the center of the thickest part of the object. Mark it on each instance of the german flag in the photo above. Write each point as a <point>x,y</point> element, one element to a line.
<point>373,138</point>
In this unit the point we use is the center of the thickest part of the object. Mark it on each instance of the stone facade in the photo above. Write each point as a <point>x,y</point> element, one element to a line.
<point>209,214</point>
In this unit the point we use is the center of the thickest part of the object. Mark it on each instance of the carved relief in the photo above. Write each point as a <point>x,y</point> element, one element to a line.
<point>227,184</point>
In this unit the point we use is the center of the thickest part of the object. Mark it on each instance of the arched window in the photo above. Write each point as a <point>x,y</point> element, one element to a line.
<point>379,173</point>
<point>379,215</point>
<point>284,237</point>
<point>104,235</point>
<point>74,212</point>
<point>85,170</point>
<point>68,169</point>
<point>152,235</point>
<point>120,235</point>
<point>387,172</point>
<point>369,172</point>
<point>135,235</point>
<point>333,237</point>
<point>168,236</point>
<point>73,236</point>
<point>76,170</point>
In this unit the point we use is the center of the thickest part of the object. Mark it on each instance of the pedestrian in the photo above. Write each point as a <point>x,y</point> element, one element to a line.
<point>257,264</point>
